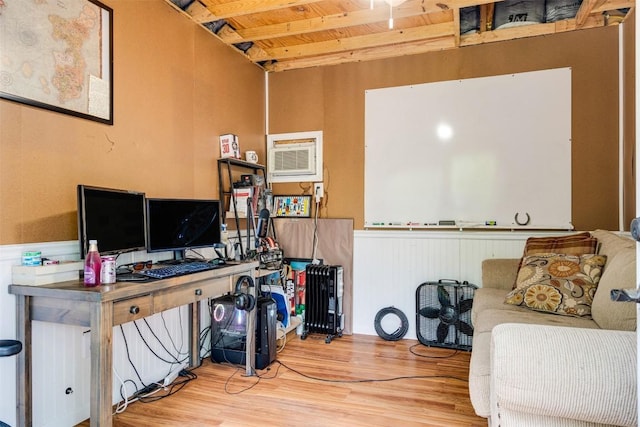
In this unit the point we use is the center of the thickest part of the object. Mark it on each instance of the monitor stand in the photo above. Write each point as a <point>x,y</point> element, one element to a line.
<point>178,258</point>
<point>131,277</point>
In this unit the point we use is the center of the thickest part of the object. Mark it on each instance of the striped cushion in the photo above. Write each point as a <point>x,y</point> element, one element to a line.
<point>572,244</point>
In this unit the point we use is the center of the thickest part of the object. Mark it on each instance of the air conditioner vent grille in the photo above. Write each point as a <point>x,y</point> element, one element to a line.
<point>294,157</point>
<point>291,160</point>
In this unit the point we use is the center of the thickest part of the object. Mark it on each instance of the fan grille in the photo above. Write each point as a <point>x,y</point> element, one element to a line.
<point>443,314</point>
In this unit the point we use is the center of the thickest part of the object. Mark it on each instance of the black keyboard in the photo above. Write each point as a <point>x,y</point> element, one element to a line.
<point>178,269</point>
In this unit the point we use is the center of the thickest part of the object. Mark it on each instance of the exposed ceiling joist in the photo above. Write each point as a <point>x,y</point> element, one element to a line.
<point>329,22</point>
<point>368,54</point>
<point>220,10</point>
<point>350,43</point>
<point>282,35</point>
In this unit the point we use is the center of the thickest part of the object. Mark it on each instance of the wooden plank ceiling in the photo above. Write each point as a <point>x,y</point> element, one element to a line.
<point>282,35</point>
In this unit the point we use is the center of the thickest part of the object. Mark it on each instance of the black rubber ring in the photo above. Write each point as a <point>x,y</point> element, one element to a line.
<point>398,333</point>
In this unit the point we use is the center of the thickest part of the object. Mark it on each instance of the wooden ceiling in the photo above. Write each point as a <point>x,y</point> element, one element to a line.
<point>283,35</point>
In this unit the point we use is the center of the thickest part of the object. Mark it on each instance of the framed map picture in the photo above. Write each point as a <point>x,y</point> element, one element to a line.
<point>292,206</point>
<point>58,55</point>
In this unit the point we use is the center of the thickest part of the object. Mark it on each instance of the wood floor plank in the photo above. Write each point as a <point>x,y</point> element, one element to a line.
<point>317,384</point>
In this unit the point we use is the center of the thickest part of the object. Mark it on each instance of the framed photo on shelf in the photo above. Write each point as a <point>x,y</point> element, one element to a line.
<point>292,206</point>
<point>58,56</point>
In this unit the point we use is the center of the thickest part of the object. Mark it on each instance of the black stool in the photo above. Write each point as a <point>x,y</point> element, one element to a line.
<point>9,348</point>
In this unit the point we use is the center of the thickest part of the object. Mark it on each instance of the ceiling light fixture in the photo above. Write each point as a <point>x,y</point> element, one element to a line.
<point>392,4</point>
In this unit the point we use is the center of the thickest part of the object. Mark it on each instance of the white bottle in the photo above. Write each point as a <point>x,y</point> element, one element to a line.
<point>224,239</point>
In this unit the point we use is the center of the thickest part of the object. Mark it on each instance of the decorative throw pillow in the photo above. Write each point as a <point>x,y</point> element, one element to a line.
<point>572,244</point>
<point>558,283</point>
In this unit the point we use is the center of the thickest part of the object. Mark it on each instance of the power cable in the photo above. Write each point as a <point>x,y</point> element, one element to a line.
<point>372,380</point>
<point>398,333</point>
<point>448,356</point>
<point>126,346</point>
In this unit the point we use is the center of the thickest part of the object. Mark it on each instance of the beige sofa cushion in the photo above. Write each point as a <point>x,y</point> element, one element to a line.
<point>610,243</point>
<point>561,374</point>
<point>619,273</point>
<point>499,273</point>
<point>488,299</point>
<point>479,374</point>
<point>488,319</point>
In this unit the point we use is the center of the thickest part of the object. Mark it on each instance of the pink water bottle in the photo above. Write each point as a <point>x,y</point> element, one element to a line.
<point>92,265</point>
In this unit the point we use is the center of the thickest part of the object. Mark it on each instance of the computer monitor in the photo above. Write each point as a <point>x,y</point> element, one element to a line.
<point>115,218</point>
<point>181,224</point>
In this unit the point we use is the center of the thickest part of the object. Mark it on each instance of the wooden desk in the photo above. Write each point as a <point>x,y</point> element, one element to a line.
<point>101,308</point>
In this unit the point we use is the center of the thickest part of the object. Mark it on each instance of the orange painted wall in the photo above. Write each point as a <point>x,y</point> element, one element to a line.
<point>176,89</point>
<point>332,99</point>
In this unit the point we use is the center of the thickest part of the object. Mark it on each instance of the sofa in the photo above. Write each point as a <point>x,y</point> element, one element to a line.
<point>540,359</point>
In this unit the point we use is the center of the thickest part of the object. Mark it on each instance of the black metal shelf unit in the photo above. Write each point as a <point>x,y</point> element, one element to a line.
<point>229,171</point>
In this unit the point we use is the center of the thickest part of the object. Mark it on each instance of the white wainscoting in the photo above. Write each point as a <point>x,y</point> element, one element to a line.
<point>390,265</point>
<point>61,352</point>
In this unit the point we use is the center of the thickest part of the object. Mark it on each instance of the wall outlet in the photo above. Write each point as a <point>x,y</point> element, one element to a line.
<point>318,191</point>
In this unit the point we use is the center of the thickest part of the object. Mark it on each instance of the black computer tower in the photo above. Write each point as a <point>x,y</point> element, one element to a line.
<point>229,337</point>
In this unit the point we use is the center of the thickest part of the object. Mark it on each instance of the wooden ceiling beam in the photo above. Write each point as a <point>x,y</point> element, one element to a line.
<point>367,54</point>
<point>432,31</point>
<point>332,22</point>
<point>456,27</point>
<point>486,17</point>
<point>248,7</point>
<point>585,10</point>
<point>199,12</point>
<point>613,5</point>
<point>454,4</point>
<point>214,11</point>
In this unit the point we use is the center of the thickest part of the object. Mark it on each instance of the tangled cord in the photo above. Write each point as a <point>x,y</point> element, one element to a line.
<point>398,333</point>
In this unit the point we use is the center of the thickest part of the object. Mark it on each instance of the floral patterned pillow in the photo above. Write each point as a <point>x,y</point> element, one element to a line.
<point>558,283</point>
<point>573,244</point>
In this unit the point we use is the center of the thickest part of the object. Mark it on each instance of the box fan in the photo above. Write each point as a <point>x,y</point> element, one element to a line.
<point>443,314</point>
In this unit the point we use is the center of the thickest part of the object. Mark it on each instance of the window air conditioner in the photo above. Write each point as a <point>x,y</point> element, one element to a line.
<point>294,157</point>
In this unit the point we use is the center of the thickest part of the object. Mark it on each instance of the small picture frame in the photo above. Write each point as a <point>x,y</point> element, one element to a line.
<point>292,206</point>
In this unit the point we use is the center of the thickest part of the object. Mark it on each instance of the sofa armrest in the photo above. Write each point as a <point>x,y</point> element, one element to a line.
<point>552,372</point>
<point>499,273</point>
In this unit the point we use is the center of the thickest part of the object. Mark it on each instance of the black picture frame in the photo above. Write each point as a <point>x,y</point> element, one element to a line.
<point>60,58</point>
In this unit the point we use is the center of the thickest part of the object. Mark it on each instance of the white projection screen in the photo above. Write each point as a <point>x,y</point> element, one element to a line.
<point>471,151</point>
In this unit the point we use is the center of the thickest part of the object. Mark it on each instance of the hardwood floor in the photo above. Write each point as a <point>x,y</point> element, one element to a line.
<point>352,387</point>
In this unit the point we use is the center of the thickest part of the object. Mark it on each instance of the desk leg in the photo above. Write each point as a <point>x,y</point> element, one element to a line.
<point>250,354</point>
<point>194,335</point>
<point>24,406</point>
<point>101,364</point>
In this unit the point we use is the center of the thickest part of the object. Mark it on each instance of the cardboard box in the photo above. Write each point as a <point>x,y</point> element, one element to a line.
<point>229,146</point>
<point>241,195</point>
<point>45,274</point>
